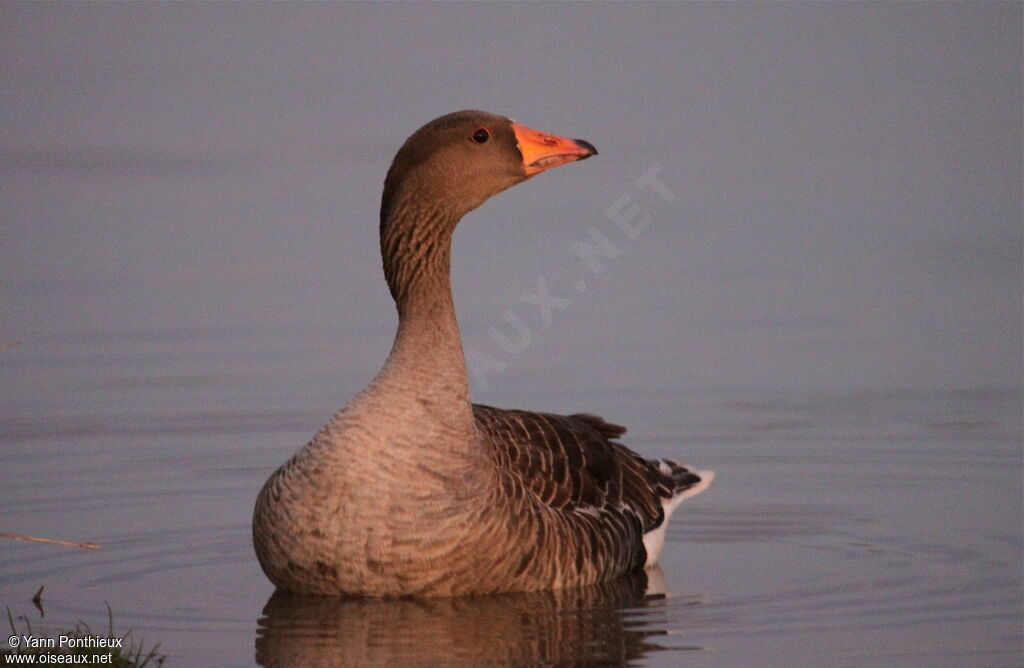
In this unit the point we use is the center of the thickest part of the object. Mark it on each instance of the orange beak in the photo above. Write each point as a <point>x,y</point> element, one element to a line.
<point>542,151</point>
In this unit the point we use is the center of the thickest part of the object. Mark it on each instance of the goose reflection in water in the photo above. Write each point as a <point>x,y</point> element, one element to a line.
<point>609,623</point>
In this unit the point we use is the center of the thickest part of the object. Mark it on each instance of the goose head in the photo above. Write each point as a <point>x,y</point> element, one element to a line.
<point>445,169</point>
<point>454,163</point>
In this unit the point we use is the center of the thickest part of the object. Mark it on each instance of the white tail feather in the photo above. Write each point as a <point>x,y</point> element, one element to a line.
<point>654,539</point>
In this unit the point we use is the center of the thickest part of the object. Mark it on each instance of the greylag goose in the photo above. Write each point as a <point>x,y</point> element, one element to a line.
<point>411,489</point>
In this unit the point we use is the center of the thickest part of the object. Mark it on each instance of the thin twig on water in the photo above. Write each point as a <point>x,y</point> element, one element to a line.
<point>50,541</point>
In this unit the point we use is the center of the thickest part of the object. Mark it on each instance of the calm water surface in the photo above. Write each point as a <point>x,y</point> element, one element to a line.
<point>851,528</point>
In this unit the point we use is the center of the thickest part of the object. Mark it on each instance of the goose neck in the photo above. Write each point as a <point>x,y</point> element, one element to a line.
<point>416,250</point>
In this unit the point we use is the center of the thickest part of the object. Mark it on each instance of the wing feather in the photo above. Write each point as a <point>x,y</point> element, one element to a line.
<point>570,462</point>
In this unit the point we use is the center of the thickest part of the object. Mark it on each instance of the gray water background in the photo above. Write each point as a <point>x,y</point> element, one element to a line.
<point>824,307</point>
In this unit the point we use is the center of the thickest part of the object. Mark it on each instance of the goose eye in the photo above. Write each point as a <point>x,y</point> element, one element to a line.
<point>481,136</point>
